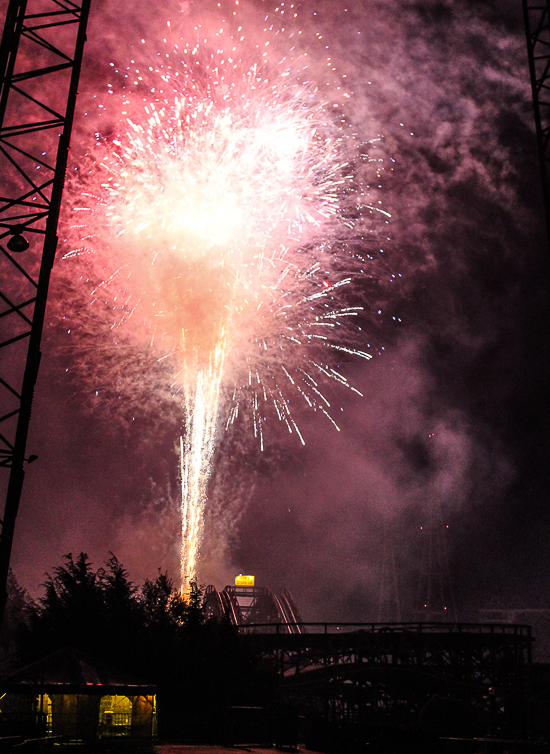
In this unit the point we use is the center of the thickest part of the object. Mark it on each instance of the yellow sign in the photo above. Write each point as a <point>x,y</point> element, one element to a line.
<point>241,580</point>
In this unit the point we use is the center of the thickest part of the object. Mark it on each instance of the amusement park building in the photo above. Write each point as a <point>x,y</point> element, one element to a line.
<point>70,695</point>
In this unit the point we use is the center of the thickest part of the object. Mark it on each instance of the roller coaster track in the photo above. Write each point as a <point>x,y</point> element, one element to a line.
<point>246,605</point>
<point>473,648</point>
<point>390,673</point>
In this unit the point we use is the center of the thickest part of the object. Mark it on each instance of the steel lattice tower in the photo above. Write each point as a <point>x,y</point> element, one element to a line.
<point>389,605</point>
<point>537,30</point>
<point>435,599</point>
<point>40,60</point>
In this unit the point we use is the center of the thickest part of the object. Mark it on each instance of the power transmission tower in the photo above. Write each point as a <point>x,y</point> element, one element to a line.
<point>389,606</point>
<point>537,30</point>
<point>40,60</point>
<point>435,599</point>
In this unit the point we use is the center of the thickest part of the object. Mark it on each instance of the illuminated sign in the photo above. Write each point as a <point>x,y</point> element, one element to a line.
<point>241,580</point>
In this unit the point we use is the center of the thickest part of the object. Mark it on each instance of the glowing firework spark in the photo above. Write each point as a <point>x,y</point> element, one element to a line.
<point>226,217</point>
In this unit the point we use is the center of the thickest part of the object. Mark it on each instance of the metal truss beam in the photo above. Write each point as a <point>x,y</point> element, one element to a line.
<point>473,650</point>
<point>40,60</point>
<point>537,30</point>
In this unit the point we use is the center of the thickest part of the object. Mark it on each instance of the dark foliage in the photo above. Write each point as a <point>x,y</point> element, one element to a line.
<point>16,622</point>
<point>152,632</point>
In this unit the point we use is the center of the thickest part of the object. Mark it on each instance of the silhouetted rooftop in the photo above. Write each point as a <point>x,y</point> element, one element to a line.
<point>69,670</point>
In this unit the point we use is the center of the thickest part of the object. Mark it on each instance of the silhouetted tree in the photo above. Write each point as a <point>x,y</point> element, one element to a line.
<point>71,613</point>
<point>123,615</point>
<point>194,613</point>
<point>16,623</point>
<point>162,602</point>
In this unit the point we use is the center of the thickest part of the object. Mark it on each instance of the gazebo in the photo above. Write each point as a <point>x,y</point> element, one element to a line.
<point>71,695</point>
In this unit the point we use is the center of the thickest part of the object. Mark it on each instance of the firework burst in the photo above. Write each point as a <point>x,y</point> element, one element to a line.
<point>223,218</point>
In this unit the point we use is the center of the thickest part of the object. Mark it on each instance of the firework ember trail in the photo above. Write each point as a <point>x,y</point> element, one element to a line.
<point>223,220</point>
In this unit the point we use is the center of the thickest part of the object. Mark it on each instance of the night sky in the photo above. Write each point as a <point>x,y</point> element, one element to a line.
<point>454,417</point>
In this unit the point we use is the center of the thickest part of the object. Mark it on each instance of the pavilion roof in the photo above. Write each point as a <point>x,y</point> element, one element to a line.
<point>72,671</point>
